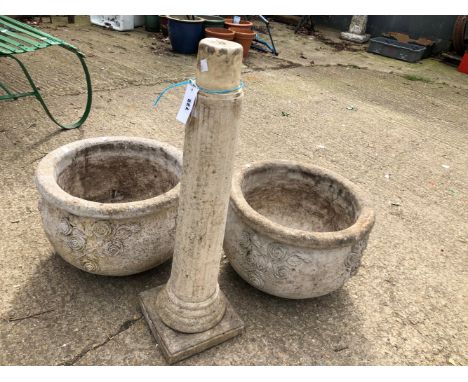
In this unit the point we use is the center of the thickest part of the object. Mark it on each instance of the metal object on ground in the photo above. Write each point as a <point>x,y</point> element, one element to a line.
<point>459,35</point>
<point>259,43</point>
<point>17,38</point>
<point>396,49</point>
<point>109,204</point>
<point>191,301</point>
<point>451,58</point>
<point>295,231</point>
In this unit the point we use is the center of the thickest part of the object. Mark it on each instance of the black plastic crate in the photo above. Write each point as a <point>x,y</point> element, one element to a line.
<point>396,49</point>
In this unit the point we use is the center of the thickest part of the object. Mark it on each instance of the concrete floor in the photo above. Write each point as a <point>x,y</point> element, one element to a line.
<point>358,114</point>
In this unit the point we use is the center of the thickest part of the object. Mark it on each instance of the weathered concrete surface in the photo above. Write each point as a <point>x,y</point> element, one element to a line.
<point>407,304</point>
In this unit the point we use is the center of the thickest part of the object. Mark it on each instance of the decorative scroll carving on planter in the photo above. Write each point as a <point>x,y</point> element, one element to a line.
<point>91,239</point>
<point>353,261</point>
<point>76,240</point>
<point>89,263</point>
<point>264,260</point>
<point>64,227</point>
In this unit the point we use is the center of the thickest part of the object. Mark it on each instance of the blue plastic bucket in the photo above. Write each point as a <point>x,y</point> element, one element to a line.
<point>185,34</point>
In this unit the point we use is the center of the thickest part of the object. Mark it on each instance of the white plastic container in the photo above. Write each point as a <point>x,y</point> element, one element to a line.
<point>119,23</point>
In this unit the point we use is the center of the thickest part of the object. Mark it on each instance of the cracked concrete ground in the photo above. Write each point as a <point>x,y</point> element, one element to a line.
<point>352,112</point>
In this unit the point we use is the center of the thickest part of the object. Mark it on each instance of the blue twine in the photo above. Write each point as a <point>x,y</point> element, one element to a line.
<point>241,85</point>
<point>169,88</point>
<point>192,82</point>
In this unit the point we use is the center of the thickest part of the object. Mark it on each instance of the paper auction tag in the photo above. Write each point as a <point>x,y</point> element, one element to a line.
<point>187,104</point>
<point>236,19</point>
<point>203,65</point>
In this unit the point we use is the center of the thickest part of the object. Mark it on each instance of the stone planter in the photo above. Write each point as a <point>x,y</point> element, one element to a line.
<point>109,204</point>
<point>295,231</point>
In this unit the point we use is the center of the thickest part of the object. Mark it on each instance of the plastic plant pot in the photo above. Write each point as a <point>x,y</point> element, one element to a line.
<point>222,33</point>
<point>185,34</point>
<point>152,23</point>
<point>396,49</point>
<point>213,21</point>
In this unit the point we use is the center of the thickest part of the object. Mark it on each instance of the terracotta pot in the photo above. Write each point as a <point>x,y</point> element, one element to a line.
<point>244,38</point>
<point>222,33</point>
<point>243,26</point>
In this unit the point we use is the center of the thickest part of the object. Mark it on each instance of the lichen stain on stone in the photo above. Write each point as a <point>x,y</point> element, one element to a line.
<point>209,49</point>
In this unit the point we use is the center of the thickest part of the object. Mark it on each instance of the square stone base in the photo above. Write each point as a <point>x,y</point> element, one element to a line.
<point>177,346</point>
<point>359,38</point>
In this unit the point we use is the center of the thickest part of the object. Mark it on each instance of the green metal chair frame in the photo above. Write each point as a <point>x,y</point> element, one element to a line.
<point>16,38</point>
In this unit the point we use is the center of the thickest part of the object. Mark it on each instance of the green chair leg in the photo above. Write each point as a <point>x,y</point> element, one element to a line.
<point>10,94</point>
<point>37,94</point>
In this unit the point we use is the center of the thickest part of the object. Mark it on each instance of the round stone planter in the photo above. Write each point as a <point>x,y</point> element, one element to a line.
<point>109,204</point>
<point>295,231</point>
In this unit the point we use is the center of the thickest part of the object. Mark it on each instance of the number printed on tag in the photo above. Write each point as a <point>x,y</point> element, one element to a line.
<point>187,103</point>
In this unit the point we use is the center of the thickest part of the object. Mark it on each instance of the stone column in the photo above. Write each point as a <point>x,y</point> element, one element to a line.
<point>191,301</point>
<point>357,30</point>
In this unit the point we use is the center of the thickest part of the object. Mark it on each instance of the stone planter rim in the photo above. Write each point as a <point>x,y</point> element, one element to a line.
<point>297,237</point>
<point>46,182</point>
